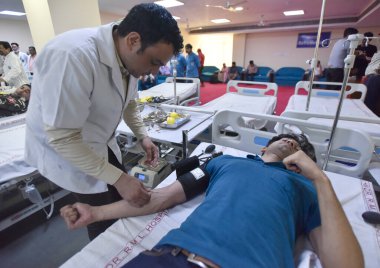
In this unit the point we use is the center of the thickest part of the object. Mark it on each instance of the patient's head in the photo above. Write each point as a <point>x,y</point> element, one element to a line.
<point>23,91</point>
<point>287,144</point>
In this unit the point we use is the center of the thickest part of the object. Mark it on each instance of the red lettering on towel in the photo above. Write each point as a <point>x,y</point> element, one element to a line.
<point>128,248</point>
<point>371,203</point>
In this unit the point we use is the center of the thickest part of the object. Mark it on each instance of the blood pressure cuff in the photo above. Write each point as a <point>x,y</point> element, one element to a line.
<point>194,182</point>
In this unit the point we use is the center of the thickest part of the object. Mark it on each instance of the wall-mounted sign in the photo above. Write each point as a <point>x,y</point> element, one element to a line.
<point>309,39</point>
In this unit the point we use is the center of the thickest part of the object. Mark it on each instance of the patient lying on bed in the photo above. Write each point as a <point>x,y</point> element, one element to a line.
<point>15,103</point>
<point>253,212</point>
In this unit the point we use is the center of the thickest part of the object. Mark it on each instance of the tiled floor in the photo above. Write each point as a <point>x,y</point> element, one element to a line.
<point>37,242</point>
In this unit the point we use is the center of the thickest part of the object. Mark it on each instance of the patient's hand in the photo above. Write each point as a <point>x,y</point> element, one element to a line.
<point>78,215</point>
<point>301,163</point>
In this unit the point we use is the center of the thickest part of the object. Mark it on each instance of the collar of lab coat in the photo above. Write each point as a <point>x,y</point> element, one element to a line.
<point>107,55</point>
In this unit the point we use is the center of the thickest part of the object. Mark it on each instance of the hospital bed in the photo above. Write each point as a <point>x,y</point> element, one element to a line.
<point>246,96</point>
<point>23,190</point>
<point>187,89</point>
<point>323,105</point>
<point>127,237</point>
<point>326,101</point>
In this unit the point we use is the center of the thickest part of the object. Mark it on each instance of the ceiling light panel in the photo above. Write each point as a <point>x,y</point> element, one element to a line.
<point>220,21</point>
<point>11,13</point>
<point>169,3</point>
<point>294,12</point>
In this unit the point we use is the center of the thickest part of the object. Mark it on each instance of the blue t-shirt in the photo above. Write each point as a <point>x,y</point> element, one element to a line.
<point>251,216</point>
<point>192,65</point>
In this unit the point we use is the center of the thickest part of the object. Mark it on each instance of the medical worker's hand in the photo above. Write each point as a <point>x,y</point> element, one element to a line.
<point>301,163</point>
<point>151,151</point>
<point>132,190</point>
<point>78,215</point>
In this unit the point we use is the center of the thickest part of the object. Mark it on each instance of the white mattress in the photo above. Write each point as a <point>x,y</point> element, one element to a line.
<point>128,237</point>
<point>244,103</point>
<point>184,90</point>
<point>326,105</point>
<point>12,143</point>
<point>350,107</point>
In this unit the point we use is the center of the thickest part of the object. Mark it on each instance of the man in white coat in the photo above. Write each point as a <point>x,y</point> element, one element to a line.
<point>85,82</point>
<point>13,73</point>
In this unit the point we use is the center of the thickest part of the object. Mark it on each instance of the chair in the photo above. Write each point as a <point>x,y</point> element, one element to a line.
<point>207,72</point>
<point>264,74</point>
<point>288,76</point>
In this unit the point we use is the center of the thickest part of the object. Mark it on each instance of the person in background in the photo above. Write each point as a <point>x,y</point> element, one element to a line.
<point>254,210</point>
<point>13,72</point>
<point>22,56</point>
<point>223,74</point>
<point>15,103</point>
<point>32,58</point>
<point>180,65</point>
<point>318,72</point>
<point>233,72</point>
<point>1,65</point>
<point>201,57</point>
<point>192,62</point>
<point>364,53</point>
<point>146,82</point>
<point>372,81</point>
<point>85,82</point>
<point>335,65</point>
<point>251,71</point>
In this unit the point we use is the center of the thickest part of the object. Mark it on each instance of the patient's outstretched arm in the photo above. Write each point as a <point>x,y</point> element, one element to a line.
<point>80,215</point>
<point>334,240</point>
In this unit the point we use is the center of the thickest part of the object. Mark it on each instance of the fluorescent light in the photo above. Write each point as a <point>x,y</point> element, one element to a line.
<point>176,18</point>
<point>220,21</point>
<point>12,13</point>
<point>293,13</point>
<point>239,8</point>
<point>169,3</point>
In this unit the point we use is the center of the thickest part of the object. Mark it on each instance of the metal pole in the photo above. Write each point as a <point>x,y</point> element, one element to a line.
<point>174,63</point>
<point>349,61</point>
<point>314,61</point>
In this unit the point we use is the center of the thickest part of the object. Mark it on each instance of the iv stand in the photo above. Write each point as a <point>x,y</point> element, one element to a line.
<point>314,60</point>
<point>354,40</point>
<point>174,64</point>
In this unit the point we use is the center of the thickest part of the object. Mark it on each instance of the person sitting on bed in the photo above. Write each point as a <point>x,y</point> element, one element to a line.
<point>15,103</point>
<point>253,211</point>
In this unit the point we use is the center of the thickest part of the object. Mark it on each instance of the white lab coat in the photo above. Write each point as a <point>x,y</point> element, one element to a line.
<point>77,84</point>
<point>13,71</point>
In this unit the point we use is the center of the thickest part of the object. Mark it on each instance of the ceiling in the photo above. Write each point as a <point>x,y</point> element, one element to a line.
<point>196,17</point>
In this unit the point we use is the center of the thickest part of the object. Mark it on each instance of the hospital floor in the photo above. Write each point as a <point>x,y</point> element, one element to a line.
<point>37,242</point>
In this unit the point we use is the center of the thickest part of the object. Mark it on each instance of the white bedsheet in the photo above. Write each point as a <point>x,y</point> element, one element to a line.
<point>244,103</point>
<point>184,90</point>
<point>326,105</point>
<point>12,143</point>
<point>128,237</point>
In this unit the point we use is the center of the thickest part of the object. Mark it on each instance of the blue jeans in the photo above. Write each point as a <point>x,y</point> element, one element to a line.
<point>160,257</point>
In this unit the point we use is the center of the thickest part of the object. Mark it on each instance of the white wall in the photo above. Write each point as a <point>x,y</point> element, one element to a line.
<point>217,48</point>
<point>16,31</point>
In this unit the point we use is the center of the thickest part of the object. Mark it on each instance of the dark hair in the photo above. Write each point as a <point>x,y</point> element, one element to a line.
<point>32,47</point>
<point>368,34</point>
<point>349,31</point>
<point>14,44</point>
<point>154,24</point>
<point>189,46</point>
<point>5,44</point>
<point>251,62</point>
<point>301,139</point>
